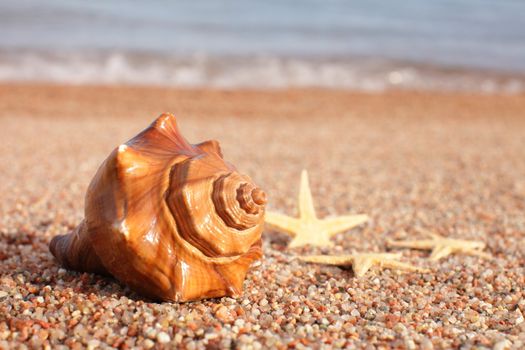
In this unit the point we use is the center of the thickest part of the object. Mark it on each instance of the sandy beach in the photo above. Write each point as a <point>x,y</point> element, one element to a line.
<point>452,163</point>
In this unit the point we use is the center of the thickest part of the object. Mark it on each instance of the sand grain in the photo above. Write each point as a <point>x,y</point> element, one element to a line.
<point>452,163</point>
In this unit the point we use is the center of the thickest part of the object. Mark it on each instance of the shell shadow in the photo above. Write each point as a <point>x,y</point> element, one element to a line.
<point>276,238</point>
<point>26,260</point>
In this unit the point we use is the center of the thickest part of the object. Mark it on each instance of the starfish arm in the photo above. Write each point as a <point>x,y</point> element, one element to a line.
<point>479,253</point>
<point>440,251</point>
<point>342,223</point>
<point>380,256</point>
<point>303,239</point>
<point>421,244</point>
<point>340,260</point>
<point>401,266</point>
<point>361,265</point>
<point>306,203</point>
<point>282,222</point>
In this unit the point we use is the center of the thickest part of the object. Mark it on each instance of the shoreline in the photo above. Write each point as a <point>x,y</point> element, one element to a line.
<point>366,73</point>
<point>59,101</point>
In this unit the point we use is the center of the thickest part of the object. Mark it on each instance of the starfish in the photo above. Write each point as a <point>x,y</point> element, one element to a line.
<point>362,262</point>
<point>442,247</point>
<point>308,229</point>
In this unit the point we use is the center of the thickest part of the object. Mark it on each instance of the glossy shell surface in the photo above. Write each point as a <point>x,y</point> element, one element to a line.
<point>172,220</point>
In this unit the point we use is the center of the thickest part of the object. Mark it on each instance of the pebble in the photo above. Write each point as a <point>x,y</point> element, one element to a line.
<point>265,320</point>
<point>502,345</point>
<point>163,337</point>
<point>148,343</point>
<point>93,344</point>
<point>225,315</point>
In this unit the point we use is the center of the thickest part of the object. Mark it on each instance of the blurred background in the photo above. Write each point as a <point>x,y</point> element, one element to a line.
<point>410,111</point>
<point>372,45</point>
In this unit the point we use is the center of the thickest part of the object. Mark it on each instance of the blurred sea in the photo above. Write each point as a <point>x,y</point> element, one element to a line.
<point>473,45</point>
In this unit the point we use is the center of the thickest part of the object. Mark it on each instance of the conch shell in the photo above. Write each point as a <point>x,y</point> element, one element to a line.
<point>171,220</point>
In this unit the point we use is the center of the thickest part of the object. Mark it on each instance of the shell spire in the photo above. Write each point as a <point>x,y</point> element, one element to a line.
<point>172,220</point>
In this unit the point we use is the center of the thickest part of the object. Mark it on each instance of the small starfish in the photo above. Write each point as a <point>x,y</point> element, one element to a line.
<point>362,262</point>
<point>442,247</point>
<point>308,229</point>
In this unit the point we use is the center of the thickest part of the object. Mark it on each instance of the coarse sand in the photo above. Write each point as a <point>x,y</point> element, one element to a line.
<point>450,163</point>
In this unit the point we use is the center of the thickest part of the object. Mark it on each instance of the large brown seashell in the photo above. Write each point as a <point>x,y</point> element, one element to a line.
<point>171,220</point>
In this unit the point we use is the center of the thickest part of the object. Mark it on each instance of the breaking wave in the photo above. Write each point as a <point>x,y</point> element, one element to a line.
<point>264,72</point>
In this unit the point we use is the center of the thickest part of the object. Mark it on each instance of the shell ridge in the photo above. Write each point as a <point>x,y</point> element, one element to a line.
<point>163,135</point>
<point>187,227</point>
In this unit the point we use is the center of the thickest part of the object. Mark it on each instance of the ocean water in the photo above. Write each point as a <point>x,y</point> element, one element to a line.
<point>362,44</point>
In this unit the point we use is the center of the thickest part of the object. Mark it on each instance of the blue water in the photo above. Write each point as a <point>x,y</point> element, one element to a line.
<point>370,44</point>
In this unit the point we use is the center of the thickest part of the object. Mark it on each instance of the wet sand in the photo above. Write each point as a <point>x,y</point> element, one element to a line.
<point>451,163</point>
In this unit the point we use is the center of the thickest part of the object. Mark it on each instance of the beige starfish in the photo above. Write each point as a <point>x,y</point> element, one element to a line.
<point>442,247</point>
<point>308,229</point>
<point>362,262</point>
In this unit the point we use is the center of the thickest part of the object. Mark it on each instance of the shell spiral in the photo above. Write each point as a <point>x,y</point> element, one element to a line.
<point>172,220</point>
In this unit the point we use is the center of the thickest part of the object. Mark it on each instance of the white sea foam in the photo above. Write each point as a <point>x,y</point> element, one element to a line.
<point>252,72</point>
